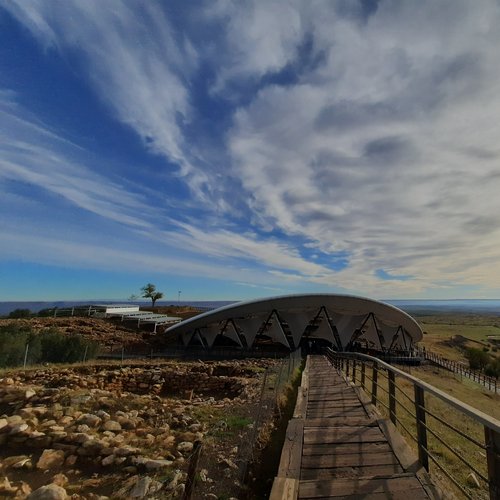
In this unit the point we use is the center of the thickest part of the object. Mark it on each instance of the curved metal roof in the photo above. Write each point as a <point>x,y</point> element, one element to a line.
<point>340,319</point>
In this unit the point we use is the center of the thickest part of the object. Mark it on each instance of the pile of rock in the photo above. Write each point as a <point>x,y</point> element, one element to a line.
<point>166,379</point>
<point>111,422</point>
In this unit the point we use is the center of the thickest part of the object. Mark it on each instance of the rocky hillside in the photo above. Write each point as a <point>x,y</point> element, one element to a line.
<point>110,333</point>
<point>110,431</point>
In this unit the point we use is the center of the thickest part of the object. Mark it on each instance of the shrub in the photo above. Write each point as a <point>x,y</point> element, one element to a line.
<point>58,348</point>
<point>20,313</point>
<point>478,359</point>
<point>493,368</point>
<point>50,346</point>
<point>44,313</point>
<point>12,345</point>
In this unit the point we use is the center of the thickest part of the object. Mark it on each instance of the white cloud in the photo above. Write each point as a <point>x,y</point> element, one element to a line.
<point>383,144</point>
<point>388,149</point>
<point>135,61</point>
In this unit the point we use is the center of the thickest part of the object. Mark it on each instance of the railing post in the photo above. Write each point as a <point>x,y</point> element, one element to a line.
<point>492,441</point>
<point>354,371</point>
<point>363,375</point>
<point>392,397</point>
<point>374,383</point>
<point>421,429</point>
<point>347,367</point>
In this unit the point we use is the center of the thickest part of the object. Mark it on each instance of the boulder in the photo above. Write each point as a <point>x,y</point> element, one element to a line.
<point>109,460</point>
<point>50,459</point>
<point>185,447</point>
<point>18,428</point>
<point>89,419</point>
<point>16,461</point>
<point>3,423</point>
<point>141,488</point>
<point>49,492</point>
<point>112,425</point>
<point>60,480</point>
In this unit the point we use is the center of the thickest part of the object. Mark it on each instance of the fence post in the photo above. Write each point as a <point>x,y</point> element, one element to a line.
<point>363,375</point>
<point>392,396</point>
<point>492,441</point>
<point>191,474</point>
<point>26,354</point>
<point>374,383</point>
<point>421,428</point>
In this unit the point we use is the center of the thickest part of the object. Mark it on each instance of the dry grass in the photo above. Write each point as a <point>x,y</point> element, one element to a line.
<point>440,330</point>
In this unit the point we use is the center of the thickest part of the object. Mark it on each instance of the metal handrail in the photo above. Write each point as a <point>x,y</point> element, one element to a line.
<point>350,363</point>
<point>477,415</point>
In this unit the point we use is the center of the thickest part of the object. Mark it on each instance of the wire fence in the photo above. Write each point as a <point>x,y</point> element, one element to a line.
<point>235,439</point>
<point>490,383</point>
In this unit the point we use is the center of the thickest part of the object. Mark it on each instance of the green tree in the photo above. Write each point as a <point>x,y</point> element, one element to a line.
<point>493,368</point>
<point>478,359</point>
<point>149,292</point>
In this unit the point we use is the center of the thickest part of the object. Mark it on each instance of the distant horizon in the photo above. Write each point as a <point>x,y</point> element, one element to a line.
<point>37,305</point>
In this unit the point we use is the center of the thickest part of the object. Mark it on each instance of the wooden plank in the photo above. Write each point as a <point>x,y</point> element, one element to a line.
<point>363,486</point>
<point>350,460</point>
<point>333,405</point>
<point>335,401</point>
<point>336,407</point>
<point>340,421</point>
<point>399,495</point>
<point>284,488</point>
<point>332,395</point>
<point>330,436</point>
<point>345,448</point>
<point>325,413</point>
<point>350,472</point>
<point>291,454</point>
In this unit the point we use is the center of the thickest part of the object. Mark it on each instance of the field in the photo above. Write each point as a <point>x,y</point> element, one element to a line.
<point>443,333</point>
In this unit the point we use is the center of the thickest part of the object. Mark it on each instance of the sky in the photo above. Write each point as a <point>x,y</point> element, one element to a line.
<point>234,150</point>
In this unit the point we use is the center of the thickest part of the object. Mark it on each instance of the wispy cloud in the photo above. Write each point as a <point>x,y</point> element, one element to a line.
<point>33,154</point>
<point>371,134</point>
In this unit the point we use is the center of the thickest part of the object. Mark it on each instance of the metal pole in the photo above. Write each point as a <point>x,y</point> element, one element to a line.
<point>421,428</point>
<point>374,383</point>
<point>26,354</point>
<point>492,441</point>
<point>85,353</point>
<point>392,397</point>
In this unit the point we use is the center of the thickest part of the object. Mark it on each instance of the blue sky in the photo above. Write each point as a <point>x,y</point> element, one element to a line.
<point>233,150</point>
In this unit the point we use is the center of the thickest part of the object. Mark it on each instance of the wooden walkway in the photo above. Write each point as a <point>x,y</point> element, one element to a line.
<point>337,446</point>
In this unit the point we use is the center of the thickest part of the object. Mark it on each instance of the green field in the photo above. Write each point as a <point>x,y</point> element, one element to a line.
<point>442,333</point>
